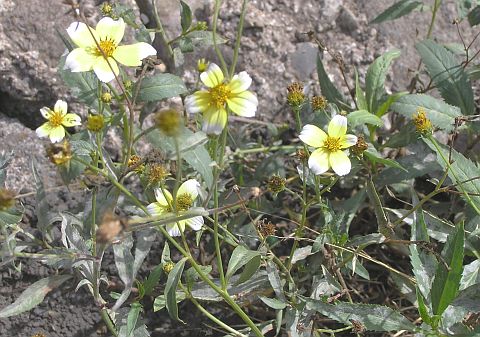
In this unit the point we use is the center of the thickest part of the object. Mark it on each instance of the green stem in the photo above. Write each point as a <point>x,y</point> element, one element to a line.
<point>239,38</point>
<point>215,43</point>
<point>108,322</point>
<point>436,6</point>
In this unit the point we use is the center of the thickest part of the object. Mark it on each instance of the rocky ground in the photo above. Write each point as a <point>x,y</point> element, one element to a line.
<point>276,51</point>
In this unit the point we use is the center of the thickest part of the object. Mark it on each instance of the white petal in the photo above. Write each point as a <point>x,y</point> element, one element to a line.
<point>198,102</point>
<point>70,120</point>
<point>45,112</point>
<point>312,135</point>
<point>44,130</point>
<point>61,106</point>
<point>214,121</point>
<point>57,134</point>
<point>318,161</point>
<point>340,163</point>
<point>348,140</point>
<point>190,187</point>
<point>155,209</point>
<point>213,76</point>
<point>337,126</point>
<point>240,83</point>
<point>107,28</point>
<point>81,35</point>
<point>195,223</point>
<point>103,71</point>
<point>243,104</point>
<point>80,60</point>
<point>174,230</point>
<point>133,54</point>
<point>162,198</point>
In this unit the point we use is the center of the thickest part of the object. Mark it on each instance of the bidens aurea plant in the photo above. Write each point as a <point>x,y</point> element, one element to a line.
<point>246,212</point>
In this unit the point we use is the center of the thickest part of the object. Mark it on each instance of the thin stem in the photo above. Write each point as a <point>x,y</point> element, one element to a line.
<point>215,42</point>
<point>238,39</point>
<point>108,322</point>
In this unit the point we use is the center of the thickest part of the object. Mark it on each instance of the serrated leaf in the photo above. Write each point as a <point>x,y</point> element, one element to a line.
<point>422,307</point>
<point>447,281</point>
<point>240,257</point>
<point>448,75</point>
<point>33,295</point>
<point>361,117</point>
<point>375,80</point>
<point>372,317</point>
<point>442,115</point>
<point>160,86</point>
<point>171,288</point>
<point>397,10</point>
<point>185,16</point>
<point>330,92</point>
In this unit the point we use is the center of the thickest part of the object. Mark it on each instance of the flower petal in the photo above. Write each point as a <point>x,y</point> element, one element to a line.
<point>198,102</point>
<point>45,112</point>
<point>70,120</point>
<point>213,76</point>
<point>318,161</point>
<point>174,228</point>
<point>61,106</point>
<point>337,126</point>
<point>347,141</point>
<point>340,163</point>
<point>81,35</point>
<point>103,71</point>
<point>57,134</point>
<point>162,196</point>
<point>240,83</point>
<point>312,135</point>
<point>107,28</point>
<point>44,130</point>
<point>80,60</point>
<point>133,54</point>
<point>243,104</point>
<point>155,209</point>
<point>195,223</point>
<point>214,121</point>
<point>190,187</point>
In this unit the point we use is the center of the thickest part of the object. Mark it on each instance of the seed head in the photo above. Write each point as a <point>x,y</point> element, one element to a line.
<point>301,155</point>
<point>156,173</point>
<point>276,184</point>
<point>295,95</point>
<point>106,97</point>
<point>319,103</point>
<point>201,25</point>
<point>107,9</point>
<point>127,84</point>
<point>95,123</point>
<point>168,267</point>
<point>7,199</point>
<point>422,123</point>
<point>360,147</point>
<point>265,228</point>
<point>135,163</point>
<point>60,153</point>
<point>168,121</point>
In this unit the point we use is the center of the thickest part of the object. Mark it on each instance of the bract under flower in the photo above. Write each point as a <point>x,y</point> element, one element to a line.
<point>219,95</point>
<point>330,147</point>
<point>57,120</point>
<point>99,45</point>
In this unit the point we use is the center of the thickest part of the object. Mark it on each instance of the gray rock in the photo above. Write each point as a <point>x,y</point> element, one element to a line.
<point>303,60</point>
<point>346,21</point>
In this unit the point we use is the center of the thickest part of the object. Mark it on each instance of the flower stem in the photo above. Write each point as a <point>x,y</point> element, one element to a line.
<point>238,39</point>
<point>215,42</point>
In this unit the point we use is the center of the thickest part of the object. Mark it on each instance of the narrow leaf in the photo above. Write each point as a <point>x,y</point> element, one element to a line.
<point>185,16</point>
<point>239,258</point>
<point>397,10</point>
<point>474,16</point>
<point>171,288</point>
<point>330,92</point>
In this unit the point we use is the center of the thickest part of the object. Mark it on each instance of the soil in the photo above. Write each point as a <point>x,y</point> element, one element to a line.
<point>275,51</point>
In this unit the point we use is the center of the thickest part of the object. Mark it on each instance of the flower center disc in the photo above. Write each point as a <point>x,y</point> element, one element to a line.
<point>107,46</point>
<point>56,119</point>
<point>332,144</point>
<point>184,202</point>
<point>219,95</point>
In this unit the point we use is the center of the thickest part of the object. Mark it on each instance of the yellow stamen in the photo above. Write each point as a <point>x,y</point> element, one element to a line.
<point>332,144</point>
<point>107,46</point>
<point>184,202</point>
<point>219,95</point>
<point>55,118</point>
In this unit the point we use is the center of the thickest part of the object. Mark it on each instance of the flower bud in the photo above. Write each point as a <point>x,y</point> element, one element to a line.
<point>295,95</point>
<point>319,103</point>
<point>135,163</point>
<point>168,267</point>
<point>107,9</point>
<point>201,25</point>
<point>106,97</point>
<point>95,123</point>
<point>202,65</point>
<point>168,121</point>
<point>422,123</point>
<point>7,199</point>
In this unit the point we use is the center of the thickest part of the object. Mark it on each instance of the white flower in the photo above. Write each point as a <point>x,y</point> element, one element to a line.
<point>108,35</point>
<point>329,152</point>
<point>186,195</point>
<point>220,95</point>
<point>57,120</point>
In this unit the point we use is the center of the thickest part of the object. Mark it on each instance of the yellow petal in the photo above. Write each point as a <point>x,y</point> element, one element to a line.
<point>347,141</point>
<point>312,135</point>
<point>214,121</point>
<point>213,76</point>
<point>103,71</point>
<point>190,187</point>
<point>61,106</point>
<point>71,120</point>
<point>243,104</point>
<point>240,82</point>
<point>79,60</point>
<point>198,102</point>
<point>337,126</point>
<point>81,35</point>
<point>195,223</point>
<point>318,161</point>
<point>133,54</point>
<point>340,163</point>
<point>175,228</point>
<point>57,134</point>
<point>44,130</point>
<point>107,28</point>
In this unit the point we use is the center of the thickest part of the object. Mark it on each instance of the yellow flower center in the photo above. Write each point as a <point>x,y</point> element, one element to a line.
<point>332,144</point>
<point>56,118</point>
<point>184,202</point>
<point>219,95</point>
<point>107,46</point>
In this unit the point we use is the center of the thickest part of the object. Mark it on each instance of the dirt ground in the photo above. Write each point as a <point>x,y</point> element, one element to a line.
<point>275,51</point>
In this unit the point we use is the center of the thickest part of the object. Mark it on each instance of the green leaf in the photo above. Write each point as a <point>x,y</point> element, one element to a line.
<point>204,38</point>
<point>375,80</point>
<point>185,16</point>
<point>359,94</point>
<point>240,257</point>
<point>383,109</point>
<point>361,117</point>
<point>376,157</point>
<point>273,303</point>
<point>160,86</point>
<point>33,295</point>
<point>10,216</point>
<point>397,10</point>
<point>191,275</point>
<point>41,203</point>
<point>372,317</point>
<point>447,280</point>
<point>422,308</point>
<point>171,288</point>
<point>474,16</point>
<point>442,115</point>
<point>328,89</point>
<point>275,280</point>
<point>160,302</point>
<point>470,275</point>
<point>448,75</point>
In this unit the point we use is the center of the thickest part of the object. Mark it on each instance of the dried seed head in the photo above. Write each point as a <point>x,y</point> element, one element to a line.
<point>156,173</point>
<point>360,147</point>
<point>301,155</point>
<point>265,228</point>
<point>276,184</point>
<point>110,228</point>
<point>135,163</point>
<point>168,121</point>
<point>60,153</point>
<point>358,327</point>
<point>319,103</point>
<point>422,123</point>
<point>7,199</point>
<point>295,95</point>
